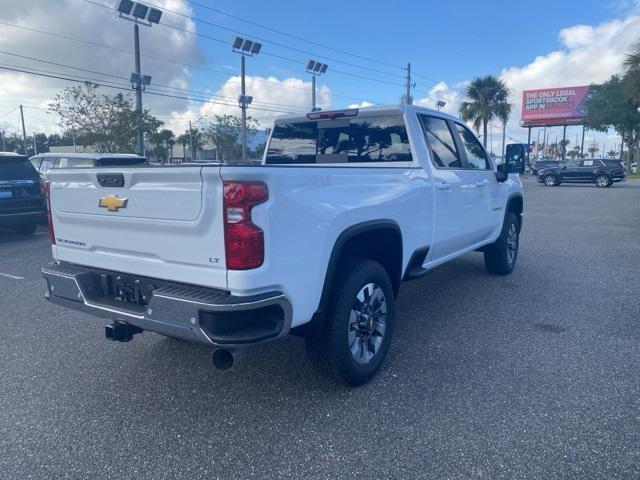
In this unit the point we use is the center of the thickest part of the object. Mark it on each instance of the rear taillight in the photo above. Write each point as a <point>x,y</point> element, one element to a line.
<point>244,241</point>
<point>47,192</point>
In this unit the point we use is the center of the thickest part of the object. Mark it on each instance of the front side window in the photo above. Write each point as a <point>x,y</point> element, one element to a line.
<point>443,149</point>
<point>358,140</point>
<point>476,155</point>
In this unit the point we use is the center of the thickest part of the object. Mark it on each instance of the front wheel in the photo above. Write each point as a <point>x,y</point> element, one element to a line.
<point>550,180</point>
<point>354,339</point>
<point>500,257</point>
<point>603,181</point>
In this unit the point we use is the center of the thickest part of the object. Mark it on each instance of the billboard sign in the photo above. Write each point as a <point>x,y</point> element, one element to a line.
<point>554,106</point>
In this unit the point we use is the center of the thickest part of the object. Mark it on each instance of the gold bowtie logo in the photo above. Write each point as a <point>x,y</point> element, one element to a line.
<point>113,203</point>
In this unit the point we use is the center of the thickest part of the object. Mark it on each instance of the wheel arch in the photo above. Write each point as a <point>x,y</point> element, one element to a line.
<point>515,204</point>
<point>379,240</point>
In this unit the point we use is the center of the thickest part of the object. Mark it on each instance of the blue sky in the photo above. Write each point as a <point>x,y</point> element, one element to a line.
<point>450,41</point>
<point>528,44</point>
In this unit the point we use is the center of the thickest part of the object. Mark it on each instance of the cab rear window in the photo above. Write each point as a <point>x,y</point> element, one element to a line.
<point>16,169</point>
<point>350,140</point>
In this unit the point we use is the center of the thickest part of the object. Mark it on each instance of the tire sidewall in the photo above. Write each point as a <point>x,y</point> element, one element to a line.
<point>609,182</point>
<point>555,180</point>
<point>348,287</point>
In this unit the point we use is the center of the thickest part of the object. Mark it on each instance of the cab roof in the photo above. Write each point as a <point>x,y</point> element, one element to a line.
<point>372,110</point>
<point>95,156</point>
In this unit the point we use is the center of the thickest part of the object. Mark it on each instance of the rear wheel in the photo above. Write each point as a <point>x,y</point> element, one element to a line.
<point>354,339</point>
<point>602,181</point>
<point>26,229</point>
<point>500,257</point>
<point>550,180</point>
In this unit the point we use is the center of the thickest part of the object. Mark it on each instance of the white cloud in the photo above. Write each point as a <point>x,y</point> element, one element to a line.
<point>441,91</point>
<point>271,97</point>
<point>362,104</point>
<point>98,25</point>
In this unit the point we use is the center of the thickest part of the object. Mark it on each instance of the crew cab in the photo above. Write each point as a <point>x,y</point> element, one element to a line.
<point>315,241</point>
<point>602,173</point>
<point>21,196</point>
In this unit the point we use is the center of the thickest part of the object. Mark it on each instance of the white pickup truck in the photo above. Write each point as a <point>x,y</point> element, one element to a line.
<point>315,241</point>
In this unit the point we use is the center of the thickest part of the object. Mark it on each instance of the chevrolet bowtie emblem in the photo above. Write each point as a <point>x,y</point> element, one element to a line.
<point>113,203</point>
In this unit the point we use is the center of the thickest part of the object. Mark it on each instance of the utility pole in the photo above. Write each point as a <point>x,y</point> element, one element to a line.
<point>190,143</point>
<point>564,138</point>
<point>35,147</point>
<point>136,41</point>
<point>24,132</point>
<point>2,135</point>
<point>243,107</point>
<point>407,98</point>
<point>582,144</point>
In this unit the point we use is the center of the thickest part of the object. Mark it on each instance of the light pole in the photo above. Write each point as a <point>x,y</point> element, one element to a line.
<point>138,13</point>
<point>315,69</point>
<point>249,48</point>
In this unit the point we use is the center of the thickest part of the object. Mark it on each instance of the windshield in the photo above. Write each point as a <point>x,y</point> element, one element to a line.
<point>357,140</point>
<point>16,169</point>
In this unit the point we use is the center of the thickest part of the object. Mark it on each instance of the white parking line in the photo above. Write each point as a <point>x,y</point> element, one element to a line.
<point>15,277</point>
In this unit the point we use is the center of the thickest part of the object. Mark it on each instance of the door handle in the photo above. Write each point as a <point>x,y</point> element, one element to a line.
<point>444,186</point>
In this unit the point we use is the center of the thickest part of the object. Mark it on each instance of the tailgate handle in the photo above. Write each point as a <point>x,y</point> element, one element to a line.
<point>111,179</point>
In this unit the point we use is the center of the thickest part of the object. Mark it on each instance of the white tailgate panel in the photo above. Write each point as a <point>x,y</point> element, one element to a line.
<point>171,227</point>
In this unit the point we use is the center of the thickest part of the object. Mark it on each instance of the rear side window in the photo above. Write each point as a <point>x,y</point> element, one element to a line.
<point>443,149</point>
<point>358,140</point>
<point>74,163</point>
<point>476,156</point>
<point>19,169</point>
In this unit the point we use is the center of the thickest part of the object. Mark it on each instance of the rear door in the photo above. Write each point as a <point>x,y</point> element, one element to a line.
<point>163,222</point>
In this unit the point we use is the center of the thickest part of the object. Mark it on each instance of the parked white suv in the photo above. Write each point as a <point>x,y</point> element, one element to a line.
<point>315,241</point>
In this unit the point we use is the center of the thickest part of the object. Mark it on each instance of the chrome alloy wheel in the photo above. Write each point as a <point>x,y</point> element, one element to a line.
<point>367,323</point>
<point>549,181</point>
<point>512,243</point>
<point>602,181</point>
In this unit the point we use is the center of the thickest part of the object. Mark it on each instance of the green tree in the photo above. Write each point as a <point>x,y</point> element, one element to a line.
<point>631,65</point>
<point>488,99</point>
<point>612,154</point>
<point>107,122</point>
<point>184,141</point>
<point>574,152</point>
<point>610,106</point>
<point>224,132</point>
<point>593,149</point>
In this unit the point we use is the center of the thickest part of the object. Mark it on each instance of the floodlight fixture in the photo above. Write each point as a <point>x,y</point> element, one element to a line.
<point>245,99</point>
<point>245,46</point>
<point>140,11</point>
<point>134,78</point>
<point>440,104</point>
<point>154,15</point>
<point>146,79</point>
<point>236,44</point>
<point>125,7</point>
<point>255,49</point>
<point>316,68</point>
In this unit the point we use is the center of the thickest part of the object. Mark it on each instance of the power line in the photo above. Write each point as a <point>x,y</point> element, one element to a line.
<point>102,83</point>
<point>198,67</point>
<point>197,92</point>
<point>9,112</point>
<point>295,37</point>
<point>281,45</point>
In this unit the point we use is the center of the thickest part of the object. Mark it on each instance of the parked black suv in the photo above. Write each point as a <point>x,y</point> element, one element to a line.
<point>542,164</point>
<point>590,170</point>
<point>22,202</point>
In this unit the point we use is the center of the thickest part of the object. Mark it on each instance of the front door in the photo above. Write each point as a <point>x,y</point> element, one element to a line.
<point>482,183</point>
<point>453,202</point>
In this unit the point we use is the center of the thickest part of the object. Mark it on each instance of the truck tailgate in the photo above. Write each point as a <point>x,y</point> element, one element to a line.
<point>163,222</point>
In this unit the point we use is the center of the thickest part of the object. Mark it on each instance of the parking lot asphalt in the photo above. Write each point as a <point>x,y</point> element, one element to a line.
<point>534,375</point>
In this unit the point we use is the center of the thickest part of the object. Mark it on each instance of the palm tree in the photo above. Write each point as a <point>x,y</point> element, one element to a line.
<point>631,66</point>
<point>488,97</point>
<point>183,140</point>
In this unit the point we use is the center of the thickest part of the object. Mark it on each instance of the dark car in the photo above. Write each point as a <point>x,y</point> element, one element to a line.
<point>590,170</point>
<point>22,202</point>
<point>542,164</point>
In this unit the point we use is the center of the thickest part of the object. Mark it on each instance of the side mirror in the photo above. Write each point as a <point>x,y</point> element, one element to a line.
<point>502,175</point>
<point>514,158</point>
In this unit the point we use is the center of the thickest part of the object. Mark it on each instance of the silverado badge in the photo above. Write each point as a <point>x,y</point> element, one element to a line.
<point>113,203</point>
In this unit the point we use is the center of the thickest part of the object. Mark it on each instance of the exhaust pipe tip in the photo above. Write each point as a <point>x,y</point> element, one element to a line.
<point>223,359</point>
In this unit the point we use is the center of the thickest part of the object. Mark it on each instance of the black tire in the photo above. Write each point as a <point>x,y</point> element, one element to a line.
<point>550,180</point>
<point>329,344</point>
<point>26,229</point>
<point>499,258</point>
<point>602,181</point>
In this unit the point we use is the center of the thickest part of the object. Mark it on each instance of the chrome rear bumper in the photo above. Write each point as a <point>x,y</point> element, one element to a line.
<point>204,315</point>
